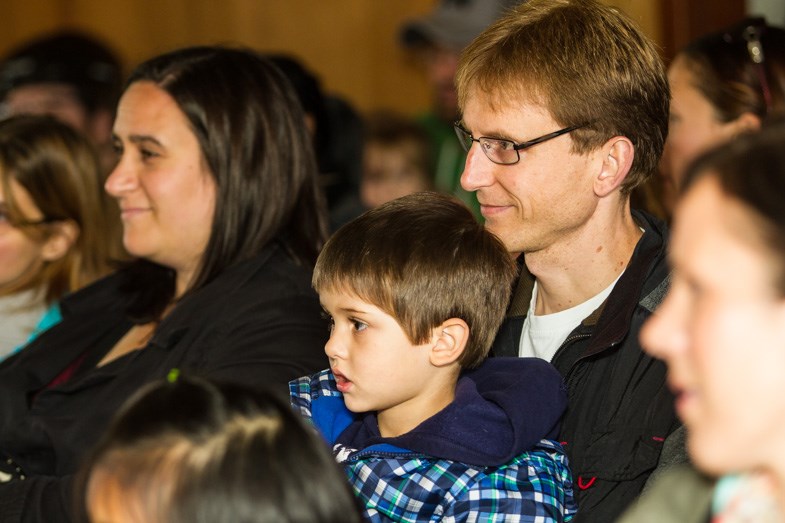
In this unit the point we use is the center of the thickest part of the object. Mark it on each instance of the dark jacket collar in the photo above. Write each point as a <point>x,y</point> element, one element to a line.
<point>501,410</point>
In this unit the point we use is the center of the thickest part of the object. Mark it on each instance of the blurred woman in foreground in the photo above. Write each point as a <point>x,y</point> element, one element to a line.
<point>721,330</point>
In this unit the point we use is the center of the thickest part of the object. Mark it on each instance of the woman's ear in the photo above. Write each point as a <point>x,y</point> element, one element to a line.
<point>62,236</point>
<point>451,338</point>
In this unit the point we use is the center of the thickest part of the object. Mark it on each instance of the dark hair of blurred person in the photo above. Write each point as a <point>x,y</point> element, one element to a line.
<point>194,451</point>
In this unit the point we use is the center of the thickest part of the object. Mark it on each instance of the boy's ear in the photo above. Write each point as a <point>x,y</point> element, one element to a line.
<point>451,338</point>
<point>617,156</point>
<point>62,237</point>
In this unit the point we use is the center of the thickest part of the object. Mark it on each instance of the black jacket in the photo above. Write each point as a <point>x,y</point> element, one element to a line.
<point>258,324</point>
<point>619,407</point>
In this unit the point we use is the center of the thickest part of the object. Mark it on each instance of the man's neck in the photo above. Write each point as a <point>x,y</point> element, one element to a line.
<point>583,265</point>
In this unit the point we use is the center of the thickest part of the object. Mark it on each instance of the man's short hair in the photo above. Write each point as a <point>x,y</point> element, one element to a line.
<point>423,259</point>
<point>583,61</point>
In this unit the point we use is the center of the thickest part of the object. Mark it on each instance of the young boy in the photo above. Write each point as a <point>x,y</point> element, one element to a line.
<point>426,431</point>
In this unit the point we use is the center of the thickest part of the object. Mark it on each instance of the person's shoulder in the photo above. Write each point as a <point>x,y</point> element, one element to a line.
<point>535,483</point>
<point>107,292</point>
<point>317,398</point>
<point>270,283</point>
<point>519,378</point>
<point>547,458</point>
<point>681,494</point>
<point>272,266</point>
<point>309,388</point>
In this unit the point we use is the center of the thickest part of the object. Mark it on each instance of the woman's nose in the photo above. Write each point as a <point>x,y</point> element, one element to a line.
<point>121,180</point>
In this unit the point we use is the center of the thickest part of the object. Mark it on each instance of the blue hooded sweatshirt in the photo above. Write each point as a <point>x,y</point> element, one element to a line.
<point>488,455</point>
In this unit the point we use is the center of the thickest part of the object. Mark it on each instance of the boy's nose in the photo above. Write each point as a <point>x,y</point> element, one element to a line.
<point>333,348</point>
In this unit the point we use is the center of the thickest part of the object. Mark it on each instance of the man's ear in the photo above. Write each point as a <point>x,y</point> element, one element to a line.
<point>62,236</point>
<point>450,341</point>
<point>617,155</point>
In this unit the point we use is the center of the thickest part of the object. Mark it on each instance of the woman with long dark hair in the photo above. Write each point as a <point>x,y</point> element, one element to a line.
<point>217,189</point>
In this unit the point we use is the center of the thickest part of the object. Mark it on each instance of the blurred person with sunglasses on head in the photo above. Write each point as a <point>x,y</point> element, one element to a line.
<point>723,84</point>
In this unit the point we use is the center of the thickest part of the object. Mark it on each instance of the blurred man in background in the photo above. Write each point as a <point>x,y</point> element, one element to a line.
<point>70,76</point>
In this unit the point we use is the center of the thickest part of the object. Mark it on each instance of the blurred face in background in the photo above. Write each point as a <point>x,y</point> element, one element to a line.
<point>694,127</point>
<point>441,64</point>
<point>21,256</point>
<point>58,100</point>
<point>721,331</point>
<point>389,172</point>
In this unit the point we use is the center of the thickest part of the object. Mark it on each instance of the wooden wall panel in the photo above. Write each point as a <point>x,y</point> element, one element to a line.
<point>684,20</point>
<point>351,44</point>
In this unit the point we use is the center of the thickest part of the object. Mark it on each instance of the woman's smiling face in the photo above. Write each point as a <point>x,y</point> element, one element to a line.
<point>165,191</point>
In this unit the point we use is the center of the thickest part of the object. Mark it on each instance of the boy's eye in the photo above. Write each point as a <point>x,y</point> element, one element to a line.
<point>358,325</point>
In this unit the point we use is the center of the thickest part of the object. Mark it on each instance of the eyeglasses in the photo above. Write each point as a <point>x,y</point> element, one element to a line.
<point>5,219</point>
<point>505,152</point>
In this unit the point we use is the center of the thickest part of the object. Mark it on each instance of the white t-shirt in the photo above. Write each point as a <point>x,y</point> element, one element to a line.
<point>543,335</point>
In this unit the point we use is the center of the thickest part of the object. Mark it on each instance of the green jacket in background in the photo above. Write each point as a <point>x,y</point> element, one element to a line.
<point>448,160</point>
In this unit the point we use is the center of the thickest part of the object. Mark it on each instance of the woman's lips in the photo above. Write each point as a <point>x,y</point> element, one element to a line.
<point>685,399</point>
<point>130,212</point>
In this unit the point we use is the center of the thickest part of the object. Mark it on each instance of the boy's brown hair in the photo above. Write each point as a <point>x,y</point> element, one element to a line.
<point>423,259</point>
<point>586,63</point>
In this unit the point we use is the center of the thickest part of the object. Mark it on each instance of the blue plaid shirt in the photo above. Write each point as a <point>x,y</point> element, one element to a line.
<point>397,484</point>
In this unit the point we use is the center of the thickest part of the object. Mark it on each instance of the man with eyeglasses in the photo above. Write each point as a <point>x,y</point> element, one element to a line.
<point>564,111</point>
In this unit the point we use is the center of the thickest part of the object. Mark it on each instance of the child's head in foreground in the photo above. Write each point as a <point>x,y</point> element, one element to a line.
<point>416,290</point>
<point>192,451</point>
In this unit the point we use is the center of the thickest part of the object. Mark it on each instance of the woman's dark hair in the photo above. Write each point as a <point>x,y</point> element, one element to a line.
<point>740,69</point>
<point>751,170</point>
<point>194,451</point>
<point>252,134</point>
